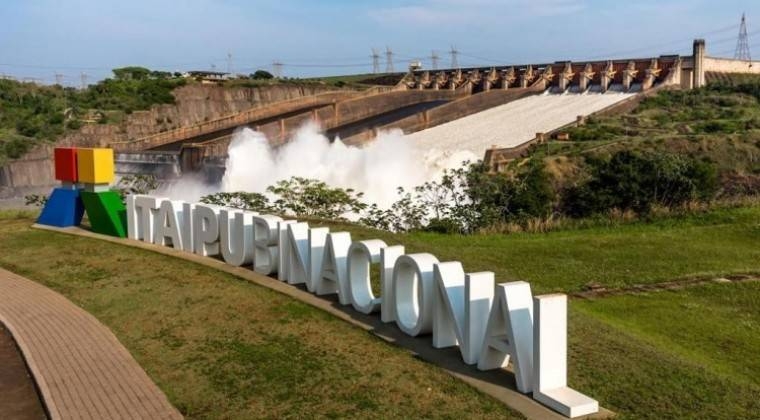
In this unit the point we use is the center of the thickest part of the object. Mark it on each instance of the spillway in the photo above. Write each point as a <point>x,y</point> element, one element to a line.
<point>514,123</point>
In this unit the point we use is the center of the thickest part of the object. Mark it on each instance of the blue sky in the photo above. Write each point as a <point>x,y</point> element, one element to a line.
<point>41,37</point>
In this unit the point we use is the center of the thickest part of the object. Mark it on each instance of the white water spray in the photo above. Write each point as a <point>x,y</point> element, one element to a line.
<point>377,169</point>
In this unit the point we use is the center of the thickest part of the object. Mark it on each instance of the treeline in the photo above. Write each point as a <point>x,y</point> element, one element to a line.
<point>472,198</point>
<point>31,113</point>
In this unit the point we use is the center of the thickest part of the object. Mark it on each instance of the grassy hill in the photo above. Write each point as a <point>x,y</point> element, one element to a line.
<point>220,347</point>
<point>719,124</point>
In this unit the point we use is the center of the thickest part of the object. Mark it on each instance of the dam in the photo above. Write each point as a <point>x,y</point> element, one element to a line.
<point>488,112</point>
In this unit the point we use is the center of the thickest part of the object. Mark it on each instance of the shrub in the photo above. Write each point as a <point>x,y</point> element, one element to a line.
<point>638,181</point>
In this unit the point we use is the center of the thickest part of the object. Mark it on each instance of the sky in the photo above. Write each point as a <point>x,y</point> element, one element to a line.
<point>39,38</point>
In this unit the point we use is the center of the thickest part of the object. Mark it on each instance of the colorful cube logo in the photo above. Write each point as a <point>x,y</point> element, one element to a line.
<point>65,164</point>
<point>84,173</point>
<point>95,166</point>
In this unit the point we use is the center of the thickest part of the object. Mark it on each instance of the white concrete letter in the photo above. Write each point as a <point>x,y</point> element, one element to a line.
<point>298,253</point>
<point>550,359</point>
<point>317,240</point>
<point>360,255</point>
<point>413,292</point>
<point>265,239</point>
<point>144,209</point>
<point>510,333</point>
<point>188,244</point>
<point>388,257</point>
<point>206,230</point>
<point>334,276</point>
<point>236,236</point>
<point>461,310</point>
<point>283,249</point>
<point>168,222</point>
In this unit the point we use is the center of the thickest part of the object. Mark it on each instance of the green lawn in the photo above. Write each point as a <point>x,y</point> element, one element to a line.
<point>223,348</point>
<point>718,243</point>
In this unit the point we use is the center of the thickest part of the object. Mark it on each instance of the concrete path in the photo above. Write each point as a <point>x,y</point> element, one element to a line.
<point>81,369</point>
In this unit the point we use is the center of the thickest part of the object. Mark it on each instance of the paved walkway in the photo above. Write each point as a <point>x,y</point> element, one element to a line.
<point>82,370</point>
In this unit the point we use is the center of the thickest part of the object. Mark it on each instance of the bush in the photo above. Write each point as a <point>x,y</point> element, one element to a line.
<point>638,181</point>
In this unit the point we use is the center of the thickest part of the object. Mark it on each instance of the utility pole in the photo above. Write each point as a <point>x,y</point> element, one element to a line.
<point>388,60</point>
<point>375,61</point>
<point>83,78</point>
<point>742,43</point>
<point>434,60</point>
<point>277,69</point>
<point>454,61</point>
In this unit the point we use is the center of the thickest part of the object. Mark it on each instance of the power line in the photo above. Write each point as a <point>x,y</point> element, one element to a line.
<point>742,44</point>
<point>277,69</point>
<point>454,61</point>
<point>388,60</point>
<point>434,60</point>
<point>375,61</point>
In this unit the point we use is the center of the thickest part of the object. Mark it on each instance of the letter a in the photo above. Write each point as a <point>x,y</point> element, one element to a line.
<point>510,333</point>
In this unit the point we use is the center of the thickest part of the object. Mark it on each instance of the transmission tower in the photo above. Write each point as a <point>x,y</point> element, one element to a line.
<point>434,60</point>
<point>83,78</point>
<point>277,69</point>
<point>454,62</point>
<point>388,60</point>
<point>229,62</point>
<point>58,79</point>
<point>375,61</point>
<point>742,44</point>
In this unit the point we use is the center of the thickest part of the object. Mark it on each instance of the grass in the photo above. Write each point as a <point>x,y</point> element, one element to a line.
<point>718,243</point>
<point>222,348</point>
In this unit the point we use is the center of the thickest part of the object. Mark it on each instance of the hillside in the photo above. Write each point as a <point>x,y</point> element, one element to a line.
<point>719,124</point>
<point>133,103</point>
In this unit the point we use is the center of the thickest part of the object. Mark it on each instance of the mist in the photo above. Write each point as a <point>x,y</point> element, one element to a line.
<point>376,169</point>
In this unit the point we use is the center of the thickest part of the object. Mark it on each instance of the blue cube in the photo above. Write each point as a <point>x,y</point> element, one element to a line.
<point>64,208</point>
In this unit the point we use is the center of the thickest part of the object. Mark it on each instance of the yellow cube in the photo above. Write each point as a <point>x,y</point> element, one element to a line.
<point>95,166</point>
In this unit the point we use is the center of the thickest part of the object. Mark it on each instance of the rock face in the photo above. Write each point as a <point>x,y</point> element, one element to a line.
<point>193,104</point>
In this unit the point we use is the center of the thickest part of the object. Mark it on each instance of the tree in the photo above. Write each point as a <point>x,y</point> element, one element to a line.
<point>239,200</point>
<point>312,198</point>
<point>131,73</point>
<point>262,75</point>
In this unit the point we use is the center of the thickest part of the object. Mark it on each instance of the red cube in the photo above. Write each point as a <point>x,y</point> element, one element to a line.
<point>65,164</point>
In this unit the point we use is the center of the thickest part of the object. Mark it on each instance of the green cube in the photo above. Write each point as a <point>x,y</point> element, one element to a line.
<point>106,212</point>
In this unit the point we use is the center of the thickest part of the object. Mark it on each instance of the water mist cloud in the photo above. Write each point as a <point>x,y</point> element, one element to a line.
<point>376,169</point>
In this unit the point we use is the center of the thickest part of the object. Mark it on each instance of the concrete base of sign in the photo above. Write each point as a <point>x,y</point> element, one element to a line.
<point>567,402</point>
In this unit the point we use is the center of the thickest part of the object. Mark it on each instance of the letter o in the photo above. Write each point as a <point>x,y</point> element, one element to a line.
<point>413,287</point>
<point>360,255</point>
